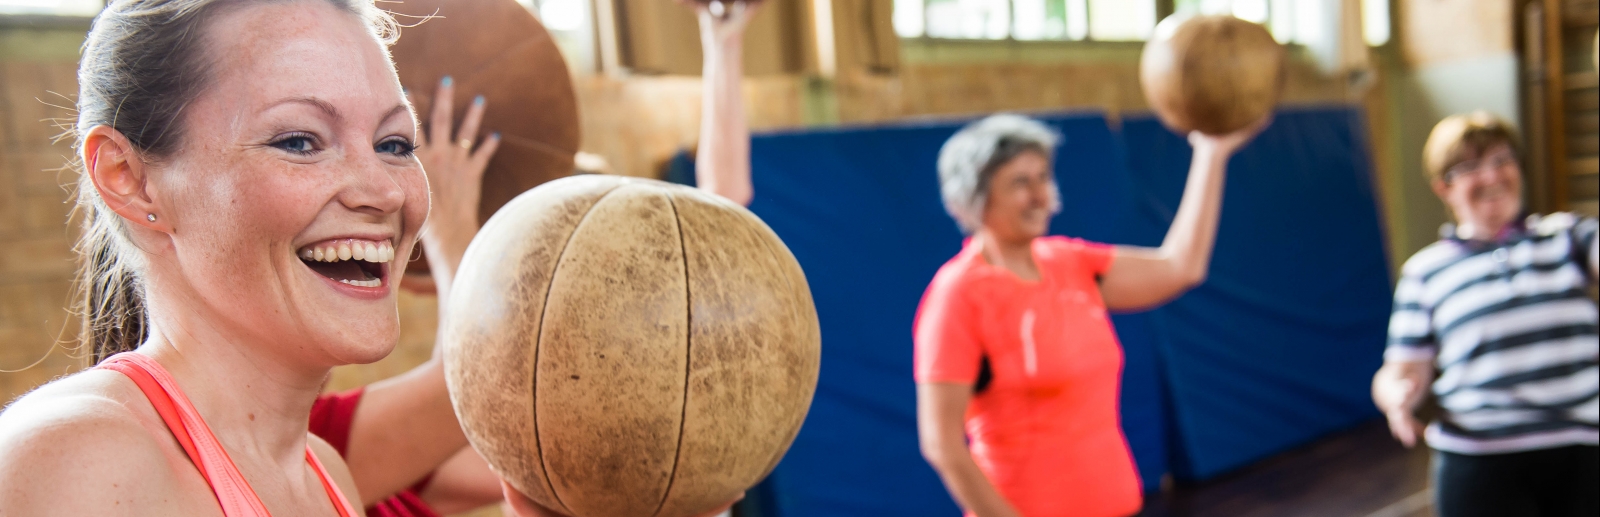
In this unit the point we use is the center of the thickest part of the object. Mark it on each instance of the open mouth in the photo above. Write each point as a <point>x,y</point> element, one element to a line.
<point>357,262</point>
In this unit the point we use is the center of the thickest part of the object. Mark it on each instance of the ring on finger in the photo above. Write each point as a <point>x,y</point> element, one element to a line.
<point>465,143</point>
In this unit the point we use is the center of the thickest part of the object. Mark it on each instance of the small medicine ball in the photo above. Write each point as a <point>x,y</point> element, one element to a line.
<point>1215,74</point>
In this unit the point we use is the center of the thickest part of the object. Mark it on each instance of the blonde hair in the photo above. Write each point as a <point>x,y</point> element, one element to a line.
<point>1462,137</point>
<point>142,64</point>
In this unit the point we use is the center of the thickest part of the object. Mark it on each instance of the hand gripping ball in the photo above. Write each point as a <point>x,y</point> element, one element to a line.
<point>619,347</point>
<point>497,49</point>
<point>1215,74</point>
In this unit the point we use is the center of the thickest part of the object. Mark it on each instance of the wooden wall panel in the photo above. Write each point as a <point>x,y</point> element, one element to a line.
<point>1431,30</point>
<point>662,37</point>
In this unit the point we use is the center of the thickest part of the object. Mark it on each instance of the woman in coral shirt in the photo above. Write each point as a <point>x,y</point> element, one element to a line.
<point>1014,350</point>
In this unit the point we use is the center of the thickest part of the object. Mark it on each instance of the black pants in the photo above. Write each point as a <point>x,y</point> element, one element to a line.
<point>1543,483</point>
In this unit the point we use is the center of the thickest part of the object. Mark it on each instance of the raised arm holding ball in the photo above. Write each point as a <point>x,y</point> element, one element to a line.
<point>1017,365</point>
<point>722,164</point>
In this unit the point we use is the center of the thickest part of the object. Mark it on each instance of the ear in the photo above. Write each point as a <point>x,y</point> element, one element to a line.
<point>118,173</point>
<point>1440,188</point>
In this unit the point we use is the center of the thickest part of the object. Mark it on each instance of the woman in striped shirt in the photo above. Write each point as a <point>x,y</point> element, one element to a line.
<point>1495,324</point>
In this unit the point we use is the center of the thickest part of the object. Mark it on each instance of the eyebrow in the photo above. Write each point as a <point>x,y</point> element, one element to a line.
<point>320,104</point>
<point>396,110</point>
<point>326,108</point>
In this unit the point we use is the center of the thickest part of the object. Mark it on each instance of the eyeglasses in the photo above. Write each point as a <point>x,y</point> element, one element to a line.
<point>1477,166</point>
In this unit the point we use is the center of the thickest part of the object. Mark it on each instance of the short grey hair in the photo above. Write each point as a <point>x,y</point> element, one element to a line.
<point>969,158</point>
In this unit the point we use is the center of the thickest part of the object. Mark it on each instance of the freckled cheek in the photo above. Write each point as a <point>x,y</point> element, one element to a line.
<point>417,203</point>
<point>286,202</point>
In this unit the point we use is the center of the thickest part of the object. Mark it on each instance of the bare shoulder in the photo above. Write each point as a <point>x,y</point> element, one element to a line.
<point>337,469</point>
<point>84,445</point>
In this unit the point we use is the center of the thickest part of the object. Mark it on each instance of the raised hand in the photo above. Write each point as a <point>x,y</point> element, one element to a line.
<point>454,162</point>
<point>1226,145</point>
<point>723,22</point>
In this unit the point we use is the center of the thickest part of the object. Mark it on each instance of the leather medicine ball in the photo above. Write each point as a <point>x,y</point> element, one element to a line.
<point>1214,74</point>
<point>620,347</point>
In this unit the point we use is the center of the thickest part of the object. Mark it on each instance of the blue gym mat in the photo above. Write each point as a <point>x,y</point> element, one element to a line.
<point>1276,348</point>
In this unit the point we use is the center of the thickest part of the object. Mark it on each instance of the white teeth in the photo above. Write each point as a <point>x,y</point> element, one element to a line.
<point>364,283</point>
<point>370,251</point>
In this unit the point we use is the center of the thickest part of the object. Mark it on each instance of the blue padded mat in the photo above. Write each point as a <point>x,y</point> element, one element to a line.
<point>1274,350</point>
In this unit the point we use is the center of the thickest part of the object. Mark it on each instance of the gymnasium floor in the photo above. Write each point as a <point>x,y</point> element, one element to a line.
<point>1358,473</point>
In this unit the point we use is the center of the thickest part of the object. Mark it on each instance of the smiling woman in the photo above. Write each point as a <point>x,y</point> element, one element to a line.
<point>248,179</point>
<point>1013,342</point>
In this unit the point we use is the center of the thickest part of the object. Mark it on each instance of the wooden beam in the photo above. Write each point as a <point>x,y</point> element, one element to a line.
<point>1584,166</point>
<point>1555,100</point>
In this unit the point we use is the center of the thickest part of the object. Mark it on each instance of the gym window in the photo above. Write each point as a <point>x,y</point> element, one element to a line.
<point>1297,21</point>
<point>75,8</point>
<point>1291,21</point>
<point>571,25</point>
<point>1027,20</point>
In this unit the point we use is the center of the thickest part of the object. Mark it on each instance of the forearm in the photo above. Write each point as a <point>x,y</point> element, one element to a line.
<point>970,487</point>
<point>1189,241</point>
<point>463,483</point>
<point>1400,385</point>
<point>404,428</point>
<point>444,254</point>
<point>723,160</point>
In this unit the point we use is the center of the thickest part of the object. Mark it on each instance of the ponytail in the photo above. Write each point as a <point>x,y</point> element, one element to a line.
<point>109,301</point>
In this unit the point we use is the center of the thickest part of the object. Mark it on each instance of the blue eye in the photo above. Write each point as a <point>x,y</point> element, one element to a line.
<point>297,144</point>
<point>396,146</point>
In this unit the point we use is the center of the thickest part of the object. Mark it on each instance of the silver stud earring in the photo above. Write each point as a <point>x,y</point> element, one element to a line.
<point>150,217</point>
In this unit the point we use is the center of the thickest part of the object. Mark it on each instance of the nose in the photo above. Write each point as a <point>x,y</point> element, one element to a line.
<point>1501,173</point>
<point>1039,192</point>
<point>373,186</point>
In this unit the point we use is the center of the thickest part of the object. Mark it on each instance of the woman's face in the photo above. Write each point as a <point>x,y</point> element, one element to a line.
<point>1484,190</point>
<point>300,146</point>
<point>1021,193</point>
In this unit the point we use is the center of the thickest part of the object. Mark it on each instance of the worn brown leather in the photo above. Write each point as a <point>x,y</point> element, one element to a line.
<point>621,347</point>
<point>1214,74</point>
<point>494,48</point>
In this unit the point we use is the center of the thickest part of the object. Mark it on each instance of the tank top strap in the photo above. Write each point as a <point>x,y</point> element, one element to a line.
<point>233,492</point>
<point>340,502</point>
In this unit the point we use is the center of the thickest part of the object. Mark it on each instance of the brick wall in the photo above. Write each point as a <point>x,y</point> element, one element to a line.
<point>36,260</point>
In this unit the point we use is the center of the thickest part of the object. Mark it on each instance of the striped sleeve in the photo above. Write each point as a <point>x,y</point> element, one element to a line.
<point>1411,336</point>
<point>1584,243</point>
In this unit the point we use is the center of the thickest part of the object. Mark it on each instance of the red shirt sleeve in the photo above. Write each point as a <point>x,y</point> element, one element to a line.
<point>1072,256</point>
<point>946,336</point>
<point>331,415</point>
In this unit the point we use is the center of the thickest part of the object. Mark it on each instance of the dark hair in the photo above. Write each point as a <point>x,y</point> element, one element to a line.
<point>1006,149</point>
<point>142,64</point>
